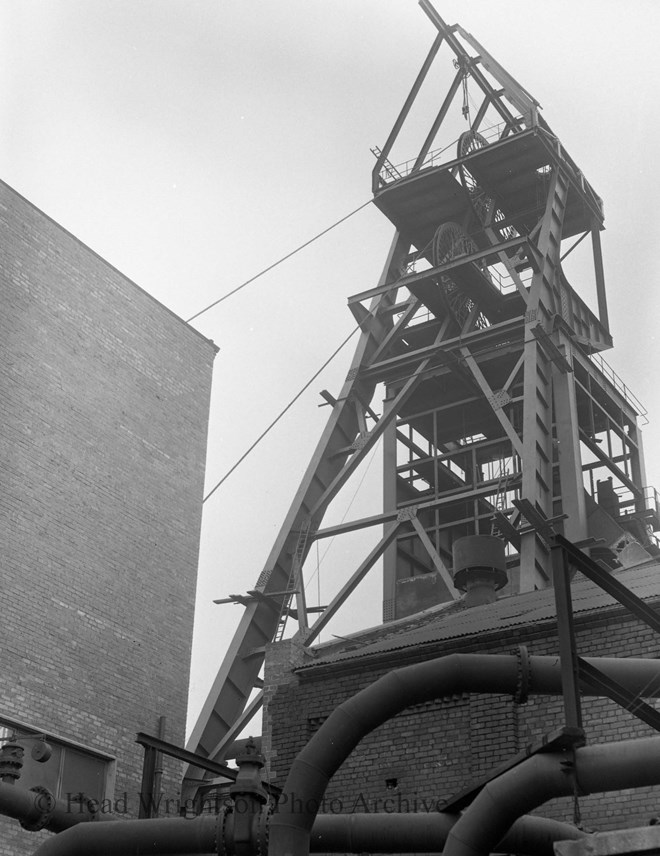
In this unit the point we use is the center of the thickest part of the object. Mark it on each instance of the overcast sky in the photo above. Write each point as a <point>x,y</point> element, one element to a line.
<point>192,143</point>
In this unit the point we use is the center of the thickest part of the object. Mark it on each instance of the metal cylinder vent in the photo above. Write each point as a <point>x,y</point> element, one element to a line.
<point>479,559</point>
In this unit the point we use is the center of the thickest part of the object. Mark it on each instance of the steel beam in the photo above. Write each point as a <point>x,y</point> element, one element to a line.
<point>310,635</point>
<point>599,682</point>
<point>438,564</point>
<point>610,584</point>
<point>388,516</point>
<point>432,273</point>
<point>492,401</point>
<point>516,94</point>
<point>538,451</point>
<point>496,336</point>
<point>389,414</point>
<point>400,325</point>
<point>246,716</point>
<point>567,432</point>
<point>608,462</point>
<point>444,109</point>
<point>570,681</point>
<point>405,110</point>
<point>462,54</point>
<point>240,668</point>
<point>600,276</point>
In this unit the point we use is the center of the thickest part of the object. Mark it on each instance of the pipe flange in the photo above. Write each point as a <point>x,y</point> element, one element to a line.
<point>45,802</point>
<point>262,830</point>
<point>524,677</point>
<point>223,845</point>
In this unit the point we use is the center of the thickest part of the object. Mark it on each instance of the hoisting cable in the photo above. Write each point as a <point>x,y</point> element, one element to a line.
<point>281,414</point>
<point>278,262</point>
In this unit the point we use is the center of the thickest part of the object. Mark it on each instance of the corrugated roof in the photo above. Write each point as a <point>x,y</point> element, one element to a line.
<point>454,620</point>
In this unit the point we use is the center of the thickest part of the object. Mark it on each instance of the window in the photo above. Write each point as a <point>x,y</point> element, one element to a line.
<point>70,770</point>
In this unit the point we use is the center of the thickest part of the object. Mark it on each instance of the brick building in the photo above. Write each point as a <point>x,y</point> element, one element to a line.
<point>103,439</point>
<point>431,752</point>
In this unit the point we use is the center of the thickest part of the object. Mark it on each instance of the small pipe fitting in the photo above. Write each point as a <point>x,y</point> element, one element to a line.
<point>11,762</point>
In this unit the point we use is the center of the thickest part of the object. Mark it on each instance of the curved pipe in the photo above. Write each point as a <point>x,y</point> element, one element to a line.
<point>351,721</point>
<point>349,833</point>
<point>596,769</point>
<point>312,769</point>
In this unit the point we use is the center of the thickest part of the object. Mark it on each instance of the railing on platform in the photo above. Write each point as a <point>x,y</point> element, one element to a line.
<point>631,505</point>
<point>389,173</point>
<point>651,499</point>
<point>616,383</point>
<point>393,172</point>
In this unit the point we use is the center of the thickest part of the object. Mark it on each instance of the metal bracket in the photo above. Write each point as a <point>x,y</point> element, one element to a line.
<point>499,399</point>
<point>360,442</point>
<point>551,350</point>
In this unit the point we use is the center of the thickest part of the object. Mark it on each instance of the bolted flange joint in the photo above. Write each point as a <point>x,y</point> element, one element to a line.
<point>224,833</point>
<point>256,826</point>
<point>524,678</point>
<point>44,805</point>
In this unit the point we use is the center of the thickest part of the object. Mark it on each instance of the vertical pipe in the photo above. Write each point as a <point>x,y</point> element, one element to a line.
<point>158,771</point>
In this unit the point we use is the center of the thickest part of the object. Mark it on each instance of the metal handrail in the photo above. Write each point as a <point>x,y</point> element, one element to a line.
<point>434,158</point>
<point>628,500</point>
<point>651,498</point>
<point>615,381</point>
<point>389,173</point>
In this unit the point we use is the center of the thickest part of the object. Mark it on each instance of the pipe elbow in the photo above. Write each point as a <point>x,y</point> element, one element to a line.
<point>503,800</point>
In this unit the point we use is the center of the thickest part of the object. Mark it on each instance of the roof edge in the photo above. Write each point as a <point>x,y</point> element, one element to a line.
<point>109,265</point>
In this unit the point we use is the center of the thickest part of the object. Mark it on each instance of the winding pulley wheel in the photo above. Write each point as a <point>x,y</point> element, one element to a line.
<point>483,204</point>
<point>450,242</point>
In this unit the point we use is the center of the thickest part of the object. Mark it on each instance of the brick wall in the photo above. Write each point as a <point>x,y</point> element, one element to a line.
<point>436,749</point>
<point>102,447</point>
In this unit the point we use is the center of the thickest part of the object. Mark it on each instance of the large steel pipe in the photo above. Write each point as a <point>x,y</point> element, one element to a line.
<point>592,769</point>
<point>289,829</point>
<point>350,833</point>
<point>426,833</point>
<point>351,721</point>
<point>37,809</point>
<point>155,837</point>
